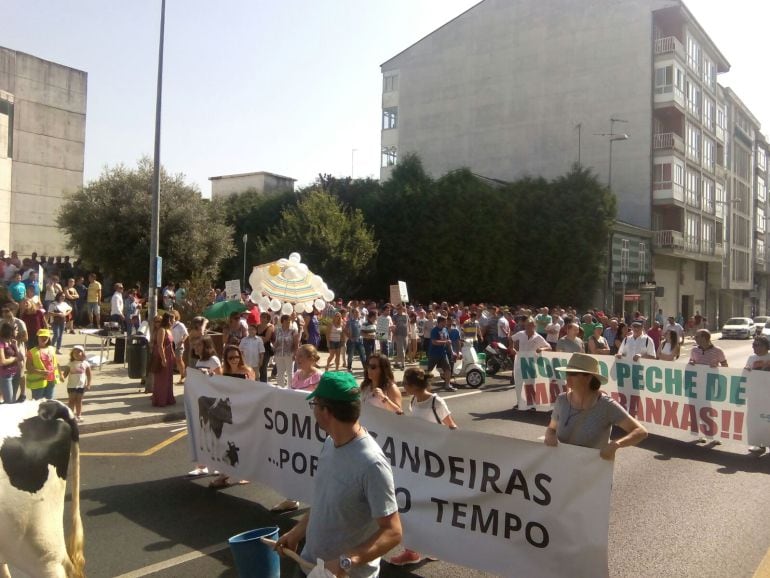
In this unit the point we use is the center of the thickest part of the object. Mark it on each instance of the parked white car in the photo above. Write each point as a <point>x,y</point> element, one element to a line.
<point>766,329</point>
<point>759,323</point>
<point>738,328</point>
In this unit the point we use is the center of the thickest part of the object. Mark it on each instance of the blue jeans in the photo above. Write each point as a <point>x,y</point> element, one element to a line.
<point>44,392</point>
<point>384,347</point>
<point>354,346</point>
<point>6,388</point>
<point>368,347</point>
<point>58,332</point>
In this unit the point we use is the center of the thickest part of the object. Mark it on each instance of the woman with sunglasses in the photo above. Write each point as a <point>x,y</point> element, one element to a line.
<point>235,366</point>
<point>379,385</point>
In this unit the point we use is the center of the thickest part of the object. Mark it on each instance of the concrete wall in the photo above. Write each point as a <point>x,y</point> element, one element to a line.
<point>48,148</point>
<point>501,89</point>
<point>262,182</point>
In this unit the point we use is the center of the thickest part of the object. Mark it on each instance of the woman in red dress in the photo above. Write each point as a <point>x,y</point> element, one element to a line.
<point>162,361</point>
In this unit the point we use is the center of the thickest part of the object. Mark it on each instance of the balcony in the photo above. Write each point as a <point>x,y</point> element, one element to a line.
<point>667,141</point>
<point>675,244</point>
<point>669,96</point>
<point>667,193</point>
<point>669,45</point>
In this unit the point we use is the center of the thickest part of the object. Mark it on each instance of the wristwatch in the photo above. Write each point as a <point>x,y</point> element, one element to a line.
<point>345,563</point>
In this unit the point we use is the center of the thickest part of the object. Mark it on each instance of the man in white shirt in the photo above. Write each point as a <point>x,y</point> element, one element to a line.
<point>116,307</point>
<point>637,345</point>
<point>672,325</point>
<point>253,349</point>
<point>526,341</point>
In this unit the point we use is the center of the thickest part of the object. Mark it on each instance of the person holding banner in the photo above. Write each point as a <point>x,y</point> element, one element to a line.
<point>353,519</point>
<point>379,385</point>
<point>429,407</point>
<point>706,353</point>
<point>760,359</point>
<point>637,345</point>
<point>584,416</point>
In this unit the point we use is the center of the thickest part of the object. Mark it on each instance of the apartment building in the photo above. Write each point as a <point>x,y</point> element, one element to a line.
<point>517,87</point>
<point>42,147</point>
<point>262,182</point>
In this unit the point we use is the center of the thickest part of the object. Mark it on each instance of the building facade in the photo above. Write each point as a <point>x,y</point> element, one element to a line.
<point>42,148</point>
<point>524,87</point>
<point>262,182</point>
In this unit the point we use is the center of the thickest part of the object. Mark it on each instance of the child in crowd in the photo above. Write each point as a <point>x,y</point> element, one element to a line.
<point>429,407</point>
<point>42,367</point>
<point>78,374</point>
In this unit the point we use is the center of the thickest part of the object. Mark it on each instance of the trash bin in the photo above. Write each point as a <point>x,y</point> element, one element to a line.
<point>253,559</point>
<point>119,354</point>
<point>138,354</point>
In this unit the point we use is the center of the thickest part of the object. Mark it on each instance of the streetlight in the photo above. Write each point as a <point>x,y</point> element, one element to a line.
<point>245,238</point>
<point>613,136</point>
<point>155,261</point>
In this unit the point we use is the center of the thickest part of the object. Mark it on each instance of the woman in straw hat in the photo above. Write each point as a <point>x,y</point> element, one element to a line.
<point>584,416</point>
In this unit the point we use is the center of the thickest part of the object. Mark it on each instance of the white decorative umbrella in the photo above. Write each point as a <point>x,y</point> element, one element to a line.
<point>288,285</point>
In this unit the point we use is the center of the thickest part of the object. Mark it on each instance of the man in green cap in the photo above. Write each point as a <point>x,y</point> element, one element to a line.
<point>354,517</point>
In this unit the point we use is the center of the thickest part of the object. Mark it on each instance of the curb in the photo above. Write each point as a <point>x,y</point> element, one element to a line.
<point>86,428</point>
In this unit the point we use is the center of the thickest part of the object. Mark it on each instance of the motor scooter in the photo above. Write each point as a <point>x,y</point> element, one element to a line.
<point>468,364</point>
<point>498,358</point>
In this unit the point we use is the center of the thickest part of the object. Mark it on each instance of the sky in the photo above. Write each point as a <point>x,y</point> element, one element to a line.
<point>291,86</point>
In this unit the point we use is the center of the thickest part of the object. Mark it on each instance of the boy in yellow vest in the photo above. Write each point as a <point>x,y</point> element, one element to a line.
<point>42,367</point>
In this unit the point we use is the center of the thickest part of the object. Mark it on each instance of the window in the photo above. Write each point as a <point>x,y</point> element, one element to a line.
<point>390,83</point>
<point>708,195</point>
<point>389,118</point>
<point>760,244</point>
<point>761,159</point>
<point>693,53</point>
<point>743,123</point>
<point>664,79</point>
<point>692,189</point>
<point>742,162</point>
<point>661,175</point>
<point>721,118</point>
<point>389,156</point>
<point>642,257</point>
<point>709,148</point>
<point>679,175</point>
<point>693,142</point>
<point>761,222</point>
<point>692,226</point>
<point>624,250</point>
<point>6,128</point>
<point>761,190</point>
<point>708,112</point>
<point>709,73</point>
<point>693,99</point>
<point>740,266</point>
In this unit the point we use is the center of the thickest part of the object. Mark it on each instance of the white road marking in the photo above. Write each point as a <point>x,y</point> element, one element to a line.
<point>171,562</point>
<point>134,428</point>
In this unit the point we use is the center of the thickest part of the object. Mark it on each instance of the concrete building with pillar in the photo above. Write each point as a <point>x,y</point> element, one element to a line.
<point>512,88</point>
<point>42,147</point>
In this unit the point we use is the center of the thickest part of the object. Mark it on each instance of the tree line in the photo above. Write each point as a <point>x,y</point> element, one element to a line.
<point>460,236</point>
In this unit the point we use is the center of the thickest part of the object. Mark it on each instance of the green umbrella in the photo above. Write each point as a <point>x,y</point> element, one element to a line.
<point>223,310</point>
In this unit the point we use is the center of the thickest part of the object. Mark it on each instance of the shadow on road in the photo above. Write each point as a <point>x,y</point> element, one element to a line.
<point>177,512</point>
<point>730,461</point>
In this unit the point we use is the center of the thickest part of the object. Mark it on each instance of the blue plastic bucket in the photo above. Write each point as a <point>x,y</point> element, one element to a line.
<point>253,559</point>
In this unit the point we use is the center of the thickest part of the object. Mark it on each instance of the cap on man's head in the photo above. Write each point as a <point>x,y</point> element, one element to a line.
<point>636,324</point>
<point>337,385</point>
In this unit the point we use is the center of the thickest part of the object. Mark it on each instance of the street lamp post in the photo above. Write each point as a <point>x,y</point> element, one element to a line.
<point>152,293</point>
<point>613,136</point>
<point>245,238</point>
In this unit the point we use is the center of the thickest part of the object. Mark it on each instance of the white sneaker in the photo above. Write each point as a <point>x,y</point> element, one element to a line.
<point>198,472</point>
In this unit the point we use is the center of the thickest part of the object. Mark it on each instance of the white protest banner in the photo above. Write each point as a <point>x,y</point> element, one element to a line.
<point>670,398</point>
<point>403,293</point>
<point>395,295</point>
<point>233,289</point>
<point>516,507</point>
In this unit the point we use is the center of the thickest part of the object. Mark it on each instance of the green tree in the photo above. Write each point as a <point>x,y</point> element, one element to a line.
<point>334,242</point>
<point>107,223</point>
<point>253,214</point>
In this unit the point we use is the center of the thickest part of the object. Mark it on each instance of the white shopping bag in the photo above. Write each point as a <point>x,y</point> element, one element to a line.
<point>320,570</point>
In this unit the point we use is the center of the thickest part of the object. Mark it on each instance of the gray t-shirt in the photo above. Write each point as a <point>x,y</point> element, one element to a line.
<point>402,325</point>
<point>567,345</point>
<point>353,487</point>
<point>593,425</point>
